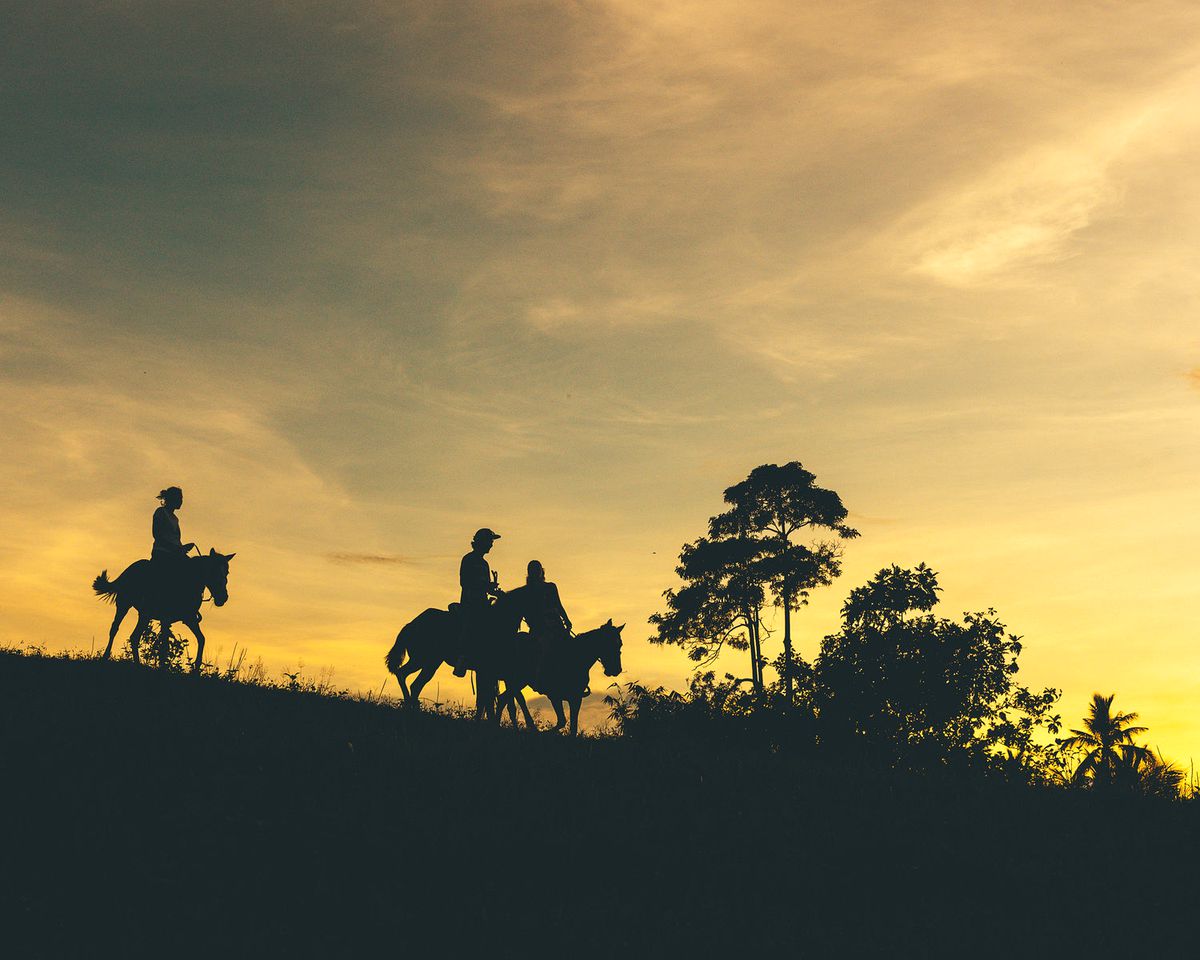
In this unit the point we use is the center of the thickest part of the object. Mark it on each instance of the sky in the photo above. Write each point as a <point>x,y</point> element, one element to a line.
<point>363,276</point>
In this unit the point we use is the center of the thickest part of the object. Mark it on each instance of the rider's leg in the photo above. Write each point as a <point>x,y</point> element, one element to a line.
<point>466,625</point>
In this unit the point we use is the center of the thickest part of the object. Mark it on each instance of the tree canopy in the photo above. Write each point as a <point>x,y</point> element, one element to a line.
<point>752,557</point>
<point>898,677</point>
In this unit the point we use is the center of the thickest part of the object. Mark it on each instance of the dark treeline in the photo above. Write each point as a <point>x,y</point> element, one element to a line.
<point>897,687</point>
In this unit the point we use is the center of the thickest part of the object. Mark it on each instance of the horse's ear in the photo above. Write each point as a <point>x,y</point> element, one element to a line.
<point>609,624</point>
<point>230,556</point>
<point>620,628</point>
<point>212,551</point>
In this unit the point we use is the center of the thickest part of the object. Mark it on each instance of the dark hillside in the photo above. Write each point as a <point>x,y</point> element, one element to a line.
<point>148,812</point>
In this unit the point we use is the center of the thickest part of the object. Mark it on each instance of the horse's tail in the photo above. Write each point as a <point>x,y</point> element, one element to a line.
<point>106,589</point>
<point>395,656</point>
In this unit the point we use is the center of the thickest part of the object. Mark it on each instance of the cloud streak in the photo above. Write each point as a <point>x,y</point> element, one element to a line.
<point>371,559</point>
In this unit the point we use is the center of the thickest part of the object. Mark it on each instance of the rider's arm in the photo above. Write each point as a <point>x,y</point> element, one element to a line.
<point>559,607</point>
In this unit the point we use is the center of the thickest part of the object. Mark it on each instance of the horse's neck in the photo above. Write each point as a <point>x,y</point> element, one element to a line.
<point>197,572</point>
<point>587,650</point>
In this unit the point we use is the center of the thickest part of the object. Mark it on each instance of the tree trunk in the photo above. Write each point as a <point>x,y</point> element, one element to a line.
<point>787,649</point>
<point>758,675</point>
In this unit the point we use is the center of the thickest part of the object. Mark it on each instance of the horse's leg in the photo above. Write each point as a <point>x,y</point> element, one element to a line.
<point>423,678</point>
<point>122,609</point>
<point>485,697</point>
<point>402,673</point>
<point>507,701</point>
<point>135,638</point>
<point>560,717</point>
<point>529,724</point>
<point>193,624</point>
<point>574,705</point>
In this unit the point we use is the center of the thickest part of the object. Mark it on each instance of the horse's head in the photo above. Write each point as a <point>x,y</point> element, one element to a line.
<point>216,576</point>
<point>609,647</point>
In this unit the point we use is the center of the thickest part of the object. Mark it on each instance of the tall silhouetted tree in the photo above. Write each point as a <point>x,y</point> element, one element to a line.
<point>898,677</point>
<point>1108,741</point>
<point>777,505</point>
<point>720,602</point>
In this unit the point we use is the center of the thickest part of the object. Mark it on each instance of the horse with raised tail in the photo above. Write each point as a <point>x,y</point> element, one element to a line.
<point>169,596</point>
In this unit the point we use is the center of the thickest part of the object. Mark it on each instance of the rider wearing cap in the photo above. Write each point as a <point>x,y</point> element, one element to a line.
<point>478,587</point>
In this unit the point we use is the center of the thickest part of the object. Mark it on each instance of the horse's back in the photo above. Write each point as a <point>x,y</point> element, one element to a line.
<point>430,618</point>
<point>426,624</point>
<point>134,580</point>
<point>136,570</point>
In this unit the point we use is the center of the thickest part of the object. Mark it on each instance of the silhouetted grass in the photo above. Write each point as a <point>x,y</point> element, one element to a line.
<point>156,811</point>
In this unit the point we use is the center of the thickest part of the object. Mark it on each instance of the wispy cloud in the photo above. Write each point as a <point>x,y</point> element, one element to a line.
<point>1028,209</point>
<point>367,558</point>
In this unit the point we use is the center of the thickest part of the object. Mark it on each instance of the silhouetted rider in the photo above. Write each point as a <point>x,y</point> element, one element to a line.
<point>478,587</point>
<point>548,621</point>
<point>168,546</point>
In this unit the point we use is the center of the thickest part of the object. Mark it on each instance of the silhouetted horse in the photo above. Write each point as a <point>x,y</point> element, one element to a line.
<point>177,600</point>
<point>432,639</point>
<point>561,674</point>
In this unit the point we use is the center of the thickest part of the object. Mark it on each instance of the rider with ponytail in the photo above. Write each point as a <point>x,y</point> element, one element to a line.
<point>168,545</point>
<point>544,612</point>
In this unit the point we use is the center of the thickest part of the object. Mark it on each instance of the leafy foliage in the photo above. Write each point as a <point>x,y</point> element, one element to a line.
<point>720,601</point>
<point>922,687</point>
<point>711,711</point>
<point>161,647</point>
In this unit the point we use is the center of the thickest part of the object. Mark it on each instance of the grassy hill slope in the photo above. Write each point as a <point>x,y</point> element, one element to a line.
<point>159,812</point>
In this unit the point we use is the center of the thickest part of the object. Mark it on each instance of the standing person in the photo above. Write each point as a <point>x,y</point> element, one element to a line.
<point>478,587</point>
<point>544,612</point>
<point>168,546</point>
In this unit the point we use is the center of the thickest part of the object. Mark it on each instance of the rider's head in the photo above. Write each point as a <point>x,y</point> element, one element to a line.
<point>172,498</point>
<point>483,539</point>
<point>537,573</point>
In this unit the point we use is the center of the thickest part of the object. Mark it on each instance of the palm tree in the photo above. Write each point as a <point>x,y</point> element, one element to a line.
<point>1150,774</point>
<point>1108,740</point>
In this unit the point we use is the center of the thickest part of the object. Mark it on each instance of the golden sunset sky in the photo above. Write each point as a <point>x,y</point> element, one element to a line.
<point>364,276</point>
